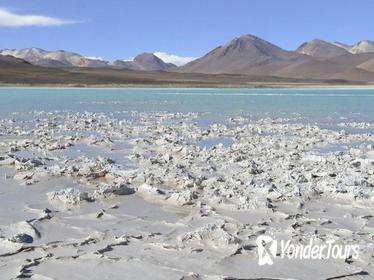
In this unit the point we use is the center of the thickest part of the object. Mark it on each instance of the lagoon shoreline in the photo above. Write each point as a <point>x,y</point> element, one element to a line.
<point>196,86</point>
<point>101,186</point>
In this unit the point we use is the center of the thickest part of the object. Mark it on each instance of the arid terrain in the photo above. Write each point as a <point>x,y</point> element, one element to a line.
<point>16,72</point>
<point>246,61</point>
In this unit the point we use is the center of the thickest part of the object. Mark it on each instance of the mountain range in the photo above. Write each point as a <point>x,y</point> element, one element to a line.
<point>61,59</point>
<point>316,59</point>
<point>245,55</point>
<point>57,59</point>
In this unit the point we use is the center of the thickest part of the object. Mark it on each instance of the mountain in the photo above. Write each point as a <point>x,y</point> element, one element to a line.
<point>16,71</point>
<point>238,55</point>
<point>343,46</point>
<point>363,47</point>
<point>10,61</point>
<point>144,62</point>
<point>59,58</point>
<point>313,60</point>
<point>245,55</point>
<point>320,48</point>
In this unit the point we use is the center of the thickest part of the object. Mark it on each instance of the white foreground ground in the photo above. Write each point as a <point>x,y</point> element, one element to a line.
<point>160,196</point>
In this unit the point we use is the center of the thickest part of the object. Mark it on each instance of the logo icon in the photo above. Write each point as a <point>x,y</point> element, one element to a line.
<point>266,249</point>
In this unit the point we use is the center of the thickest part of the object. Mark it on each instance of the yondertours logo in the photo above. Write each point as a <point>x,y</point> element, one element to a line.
<point>267,248</point>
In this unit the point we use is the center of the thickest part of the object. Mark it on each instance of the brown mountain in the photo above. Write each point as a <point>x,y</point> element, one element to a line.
<point>18,71</point>
<point>246,57</point>
<point>12,62</point>
<point>14,71</point>
<point>239,55</point>
<point>58,59</point>
<point>254,56</point>
<point>144,62</point>
<point>320,48</point>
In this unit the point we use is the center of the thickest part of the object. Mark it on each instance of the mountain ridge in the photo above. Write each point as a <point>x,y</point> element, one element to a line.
<point>144,62</point>
<point>247,54</point>
<point>316,59</point>
<point>62,59</point>
<point>321,48</point>
<point>238,54</point>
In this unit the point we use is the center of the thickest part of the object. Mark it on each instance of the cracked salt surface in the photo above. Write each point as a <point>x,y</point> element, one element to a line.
<point>157,195</point>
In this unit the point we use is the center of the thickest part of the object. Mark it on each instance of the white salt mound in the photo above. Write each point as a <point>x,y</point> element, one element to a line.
<point>69,196</point>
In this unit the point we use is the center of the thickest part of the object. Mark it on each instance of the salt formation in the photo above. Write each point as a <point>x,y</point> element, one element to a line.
<point>165,193</point>
<point>114,188</point>
<point>68,196</point>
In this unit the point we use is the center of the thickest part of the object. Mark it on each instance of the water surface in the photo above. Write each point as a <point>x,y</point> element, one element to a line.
<point>320,105</point>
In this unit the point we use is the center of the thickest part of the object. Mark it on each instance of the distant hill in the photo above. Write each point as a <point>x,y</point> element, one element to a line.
<point>320,48</point>
<point>247,55</point>
<point>14,71</point>
<point>237,56</point>
<point>11,61</point>
<point>60,58</point>
<point>363,47</point>
<point>144,62</point>
<point>316,59</point>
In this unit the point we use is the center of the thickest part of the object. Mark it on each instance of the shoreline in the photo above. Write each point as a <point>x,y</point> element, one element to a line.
<point>288,86</point>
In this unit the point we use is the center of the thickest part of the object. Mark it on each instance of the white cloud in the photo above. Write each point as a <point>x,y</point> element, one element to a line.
<point>10,19</point>
<point>129,59</point>
<point>175,59</point>
<point>94,58</point>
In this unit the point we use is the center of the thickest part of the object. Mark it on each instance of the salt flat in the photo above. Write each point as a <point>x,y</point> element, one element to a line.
<point>108,194</point>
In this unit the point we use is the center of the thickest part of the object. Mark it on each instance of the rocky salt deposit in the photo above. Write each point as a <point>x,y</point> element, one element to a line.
<point>134,193</point>
<point>68,196</point>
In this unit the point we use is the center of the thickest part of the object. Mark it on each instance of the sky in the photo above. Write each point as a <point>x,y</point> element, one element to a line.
<point>121,29</point>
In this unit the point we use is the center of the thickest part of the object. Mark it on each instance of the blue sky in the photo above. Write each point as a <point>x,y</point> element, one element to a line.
<point>124,28</point>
